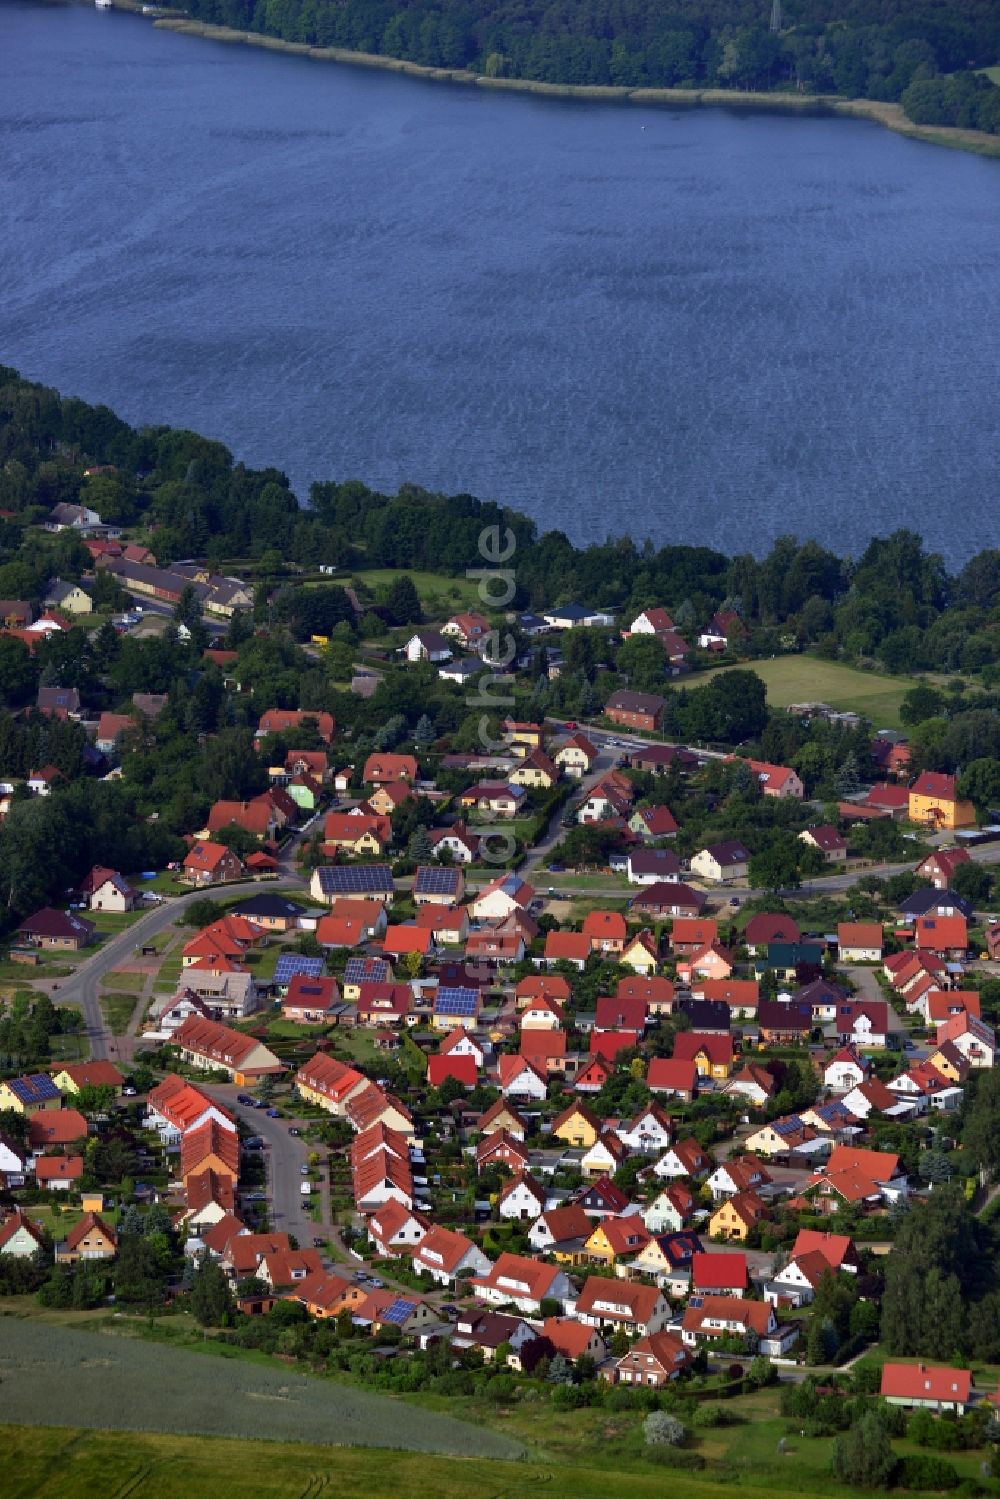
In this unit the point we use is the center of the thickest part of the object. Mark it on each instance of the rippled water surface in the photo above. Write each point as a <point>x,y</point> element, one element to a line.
<point>699,326</point>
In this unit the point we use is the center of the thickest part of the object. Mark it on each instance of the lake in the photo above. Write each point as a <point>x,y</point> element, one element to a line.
<point>700,326</point>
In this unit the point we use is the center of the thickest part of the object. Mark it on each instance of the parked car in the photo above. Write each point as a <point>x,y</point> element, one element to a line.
<point>274,1113</point>
<point>303,1170</point>
<point>244,1098</point>
<point>292,1130</point>
<point>318,1243</point>
<point>128,1091</point>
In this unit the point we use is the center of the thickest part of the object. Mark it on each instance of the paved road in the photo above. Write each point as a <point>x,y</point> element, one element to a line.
<point>286,1154</point>
<point>537,854</point>
<point>82,988</point>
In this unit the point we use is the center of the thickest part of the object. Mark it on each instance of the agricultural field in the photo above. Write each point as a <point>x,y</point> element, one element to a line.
<point>136,1386</point>
<point>807,679</point>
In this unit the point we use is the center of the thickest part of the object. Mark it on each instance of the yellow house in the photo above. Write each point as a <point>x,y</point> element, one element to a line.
<point>523,736</point>
<point>576,1126</point>
<point>76,1075</point>
<point>946,1066</point>
<point>69,598</point>
<point>30,1094</point>
<point>537,770</point>
<point>735,1218</point>
<point>640,955</point>
<point>935,803</point>
<point>387,798</point>
<point>616,1239</point>
<point>711,1055</point>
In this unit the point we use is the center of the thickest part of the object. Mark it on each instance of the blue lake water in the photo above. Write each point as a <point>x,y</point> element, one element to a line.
<point>717,328</point>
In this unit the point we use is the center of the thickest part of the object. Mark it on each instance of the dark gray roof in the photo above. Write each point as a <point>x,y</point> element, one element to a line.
<point>268,905</point>
<point>926,902</point>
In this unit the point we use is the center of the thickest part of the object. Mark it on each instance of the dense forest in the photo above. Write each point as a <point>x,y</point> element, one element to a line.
<point>923,54</point>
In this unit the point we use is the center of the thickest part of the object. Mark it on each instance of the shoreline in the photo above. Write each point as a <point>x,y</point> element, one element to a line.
<point>891,116</point>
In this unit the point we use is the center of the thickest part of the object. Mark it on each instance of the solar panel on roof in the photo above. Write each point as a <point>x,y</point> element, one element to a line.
<point>291,963</point>
<point>397,1313</point>
<point>372,970</point>
<point>355,879</point>
<point>455,1001</point>
<point>433,881</point>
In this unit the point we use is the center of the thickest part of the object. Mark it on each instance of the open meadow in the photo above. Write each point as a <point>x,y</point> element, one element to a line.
<point>44,1463</point>
<point>71,1378</point>
<point>807,679</point>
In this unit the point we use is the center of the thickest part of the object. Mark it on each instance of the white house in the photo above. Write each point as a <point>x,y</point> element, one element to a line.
<point>13,1163</point>
<point>520,1078</point>
<point>443,1255</point>
<point>523,1282</point>
<point>662,1215</point>
<point>844,1071</point>
<point>521,1199</point>
<point>427,645</point>
<point>649,1133</point>
<point>504,896</point>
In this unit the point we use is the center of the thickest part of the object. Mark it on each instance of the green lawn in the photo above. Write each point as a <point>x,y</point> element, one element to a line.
<point>69,1048</point>
<point>126,982</point>
<point>993,74</point>
<point>440,594</point>
<point>107,922</point>
<point>117,1010</point>
<point>806,679</point>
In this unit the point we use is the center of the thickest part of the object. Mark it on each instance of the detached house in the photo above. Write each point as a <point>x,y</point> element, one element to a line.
<point>576,756</point>
<point>737,1216</point>
<point>776,780</point>
<point>927,1387</point>
<point>524,1283</point>
<point>653,1361</point>
<point>731,1316</point>
<point>859,941</point>
<point>934,801</point>
<point>831,844</point>
<point>211,864</point>
<point>614,1304</point>
<point>443,1255</point>
<point>721,863</point>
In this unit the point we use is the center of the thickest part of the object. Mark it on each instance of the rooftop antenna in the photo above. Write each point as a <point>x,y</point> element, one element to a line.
<point>776,15</point>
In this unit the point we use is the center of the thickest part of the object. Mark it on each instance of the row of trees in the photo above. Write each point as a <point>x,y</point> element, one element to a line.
<point>643,44</point>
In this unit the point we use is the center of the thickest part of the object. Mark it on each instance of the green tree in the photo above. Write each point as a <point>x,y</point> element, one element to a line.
<point>402,602</point>
<point>863,1455</point>
<point>211,1300</point>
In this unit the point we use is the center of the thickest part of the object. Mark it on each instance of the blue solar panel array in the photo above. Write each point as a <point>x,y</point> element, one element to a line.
<point>456,1001</point>
<point>291,963</point>
<point>431,880</point>
<point>397,1313</point>
<point>355,879</point>
<point>36,1087</point>
<point>366,971</point>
